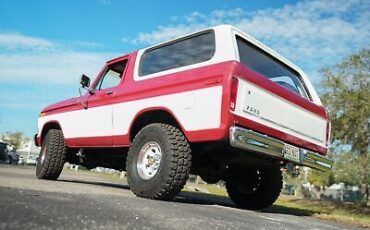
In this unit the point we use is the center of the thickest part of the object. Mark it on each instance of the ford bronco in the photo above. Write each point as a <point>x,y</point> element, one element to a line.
<point>216,103</point>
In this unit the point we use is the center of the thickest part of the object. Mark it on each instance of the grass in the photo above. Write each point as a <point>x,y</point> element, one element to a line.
<point>212,189</point>
<point>348,213</point>
<point>113,177</point>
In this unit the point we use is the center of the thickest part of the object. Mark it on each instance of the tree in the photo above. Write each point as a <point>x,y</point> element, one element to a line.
<point>346,94</point>
<point>15,139</point>
<point>346,168</point>
<point>318,178</point>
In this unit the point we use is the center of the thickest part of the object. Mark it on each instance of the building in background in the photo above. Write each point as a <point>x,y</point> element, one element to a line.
<point>30,152</point>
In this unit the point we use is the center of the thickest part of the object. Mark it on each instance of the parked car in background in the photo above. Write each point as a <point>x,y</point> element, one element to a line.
<point>21,160</point>
<point>7,154</point>
<point>3,151</point>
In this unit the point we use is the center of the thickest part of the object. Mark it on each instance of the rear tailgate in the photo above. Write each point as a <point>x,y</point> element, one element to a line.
<point>260,106</point>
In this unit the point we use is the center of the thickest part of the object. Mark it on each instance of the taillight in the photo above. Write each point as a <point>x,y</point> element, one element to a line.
<point>233,93</point>
<point>328,131</point>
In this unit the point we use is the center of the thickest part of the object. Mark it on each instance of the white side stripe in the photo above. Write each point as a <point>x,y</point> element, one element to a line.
<point>195,110</point>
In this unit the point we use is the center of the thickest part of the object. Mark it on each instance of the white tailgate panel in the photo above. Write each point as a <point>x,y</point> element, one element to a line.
<point>263,107</point>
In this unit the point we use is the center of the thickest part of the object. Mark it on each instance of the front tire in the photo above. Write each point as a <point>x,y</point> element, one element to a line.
<point>258,190</point>
<point>158,162</point>
<point>52,155</point>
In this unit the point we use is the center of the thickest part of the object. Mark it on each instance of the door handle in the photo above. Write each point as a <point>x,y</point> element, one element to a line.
<point>109,93</point>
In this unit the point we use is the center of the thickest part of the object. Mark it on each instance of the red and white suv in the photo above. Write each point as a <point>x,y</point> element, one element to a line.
<point>216,103</point>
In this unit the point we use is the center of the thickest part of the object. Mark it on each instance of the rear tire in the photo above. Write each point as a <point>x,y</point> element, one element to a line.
<point>52,155</point>
<point>258,190</point>
<point>158,162</point>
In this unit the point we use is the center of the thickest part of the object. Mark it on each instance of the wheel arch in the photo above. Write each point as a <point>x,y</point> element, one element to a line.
<point>153,115</point>
<point>47,126</point>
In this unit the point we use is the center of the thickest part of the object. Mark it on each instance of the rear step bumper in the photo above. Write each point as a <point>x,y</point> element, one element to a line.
<point>262,144</point>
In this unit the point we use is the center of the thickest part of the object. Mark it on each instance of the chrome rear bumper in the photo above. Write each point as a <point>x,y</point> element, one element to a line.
<point>262,144</point>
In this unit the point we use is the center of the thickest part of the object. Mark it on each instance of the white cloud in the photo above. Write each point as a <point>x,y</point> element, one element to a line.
<point>164,33</point>
<point>191,22</point>
<point>16,40</point>
<point>36,60</point>
<point>35,72</point>
<point>55,67</point>
<point>310,33</point>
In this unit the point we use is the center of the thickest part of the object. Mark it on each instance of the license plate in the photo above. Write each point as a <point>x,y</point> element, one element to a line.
<point>291,152</point>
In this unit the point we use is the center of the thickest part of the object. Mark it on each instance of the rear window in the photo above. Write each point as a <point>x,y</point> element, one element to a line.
<point>264,64</point>
<point>183,52</point>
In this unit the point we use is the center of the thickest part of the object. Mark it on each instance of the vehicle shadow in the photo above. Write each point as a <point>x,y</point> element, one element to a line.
<point>203,199</point>
<point>199,198</point>
<point>209,199</point>
<point>98,183</point>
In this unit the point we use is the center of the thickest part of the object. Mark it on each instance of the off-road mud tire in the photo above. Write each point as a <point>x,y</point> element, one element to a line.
<point>265,193</point>
<point>174,166</point>
<point>54,150</point>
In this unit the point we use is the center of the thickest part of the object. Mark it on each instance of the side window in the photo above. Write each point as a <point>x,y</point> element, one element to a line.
<point>112,76</point>
<point>187,51</point>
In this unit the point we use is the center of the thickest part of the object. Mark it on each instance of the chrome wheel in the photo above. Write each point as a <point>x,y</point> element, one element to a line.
<point>43,154</point>
<point>149,160</point>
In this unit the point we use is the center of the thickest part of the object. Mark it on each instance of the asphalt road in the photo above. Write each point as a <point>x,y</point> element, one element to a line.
<point>84,200</point>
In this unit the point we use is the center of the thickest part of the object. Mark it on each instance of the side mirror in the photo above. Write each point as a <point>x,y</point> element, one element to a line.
<point>85,81</point>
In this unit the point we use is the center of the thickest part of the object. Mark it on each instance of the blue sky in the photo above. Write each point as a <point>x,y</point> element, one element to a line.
<point>46,45</point>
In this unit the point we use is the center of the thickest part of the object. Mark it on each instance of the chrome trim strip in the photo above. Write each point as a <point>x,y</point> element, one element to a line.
<point>252,141</point>
<point>293,130</point>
